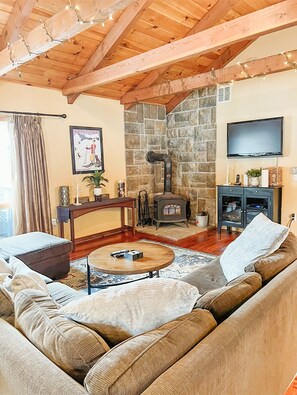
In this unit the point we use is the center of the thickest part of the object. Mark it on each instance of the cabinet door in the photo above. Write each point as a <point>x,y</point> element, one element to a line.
<point>230,209</point>
<point>257,201</point>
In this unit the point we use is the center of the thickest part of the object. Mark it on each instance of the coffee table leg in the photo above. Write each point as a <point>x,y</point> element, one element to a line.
<point>89,278</point>
<point>157,274</point>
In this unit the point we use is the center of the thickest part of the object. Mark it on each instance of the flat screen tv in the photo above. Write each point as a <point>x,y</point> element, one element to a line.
<point>258,138</point>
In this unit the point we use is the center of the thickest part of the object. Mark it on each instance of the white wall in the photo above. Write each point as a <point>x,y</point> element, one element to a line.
<point>86,111</point>
<point>258,98</point>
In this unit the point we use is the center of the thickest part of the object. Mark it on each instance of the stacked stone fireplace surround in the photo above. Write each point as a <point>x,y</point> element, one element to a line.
<point>188,135</point>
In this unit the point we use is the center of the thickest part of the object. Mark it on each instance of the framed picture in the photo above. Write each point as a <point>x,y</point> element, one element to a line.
<point>86,149</point>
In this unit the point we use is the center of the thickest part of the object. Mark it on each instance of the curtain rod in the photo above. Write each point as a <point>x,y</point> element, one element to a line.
<point>38,114</point>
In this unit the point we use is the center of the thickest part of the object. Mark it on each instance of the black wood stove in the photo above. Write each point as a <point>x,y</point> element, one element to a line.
<point>168,207</point>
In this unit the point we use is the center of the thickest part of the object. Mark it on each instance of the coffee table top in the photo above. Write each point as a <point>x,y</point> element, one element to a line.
<point>155,257</point>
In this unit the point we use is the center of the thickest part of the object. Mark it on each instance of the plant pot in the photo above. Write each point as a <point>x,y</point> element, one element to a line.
<point>254,181</point>
<point>97,191</point>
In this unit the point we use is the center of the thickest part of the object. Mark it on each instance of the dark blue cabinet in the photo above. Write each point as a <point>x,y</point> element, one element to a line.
<point>238,205</point>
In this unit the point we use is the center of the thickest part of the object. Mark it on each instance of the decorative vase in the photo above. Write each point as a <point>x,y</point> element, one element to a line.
<point>64,196</point>
<point>254,181</point>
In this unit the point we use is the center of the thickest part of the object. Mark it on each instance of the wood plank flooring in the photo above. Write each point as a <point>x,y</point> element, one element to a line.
<point>209,242</point>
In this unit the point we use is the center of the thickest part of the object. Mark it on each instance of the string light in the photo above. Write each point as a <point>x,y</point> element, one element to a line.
<point>214,77</point>
<point>80,20</point>
<point>52,39</point>
<point>244,70</point>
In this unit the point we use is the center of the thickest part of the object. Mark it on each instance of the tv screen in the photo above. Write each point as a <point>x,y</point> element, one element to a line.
<point>261,137</point>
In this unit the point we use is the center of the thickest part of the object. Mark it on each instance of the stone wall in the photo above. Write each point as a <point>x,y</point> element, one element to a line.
<point>191,130</point>
<point>188,135</point>
<point>145,130</point>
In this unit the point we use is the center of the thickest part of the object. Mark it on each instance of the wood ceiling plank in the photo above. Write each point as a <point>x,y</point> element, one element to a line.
<point>61,26</point>
<point>209,19</point>
<point>256,68</point>
<point>15,22</point>
<point>124,24</point>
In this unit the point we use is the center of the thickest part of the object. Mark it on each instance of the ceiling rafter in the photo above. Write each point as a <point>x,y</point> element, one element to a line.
<point>238,72</point>
<point>20,12</point>
<point>60,27</point>
<point>273,18</point>
<point>229,54</point>
<point>214,15</point>
<point>117,33</point>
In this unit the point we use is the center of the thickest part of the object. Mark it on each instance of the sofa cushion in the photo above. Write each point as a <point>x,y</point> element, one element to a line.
<point>126,310</point>
<point>259,239</point>
<point>223,301</point>
<point>271,265</point>
<point>130,367</point>
<point>71,346</point>
<point>62,294</point>
<point>207,277</point>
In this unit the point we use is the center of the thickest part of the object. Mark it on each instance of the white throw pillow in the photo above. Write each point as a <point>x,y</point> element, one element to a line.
<point>259,239</point>
<point>5,267</point>
<point>19,267</point>
<point>131,309</point>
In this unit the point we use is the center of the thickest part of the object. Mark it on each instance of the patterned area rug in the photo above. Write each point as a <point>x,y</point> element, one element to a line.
<point>184,263</point>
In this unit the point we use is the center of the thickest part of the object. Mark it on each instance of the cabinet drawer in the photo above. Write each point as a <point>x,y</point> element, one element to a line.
<point>230,189</point>
<point>258,192</point>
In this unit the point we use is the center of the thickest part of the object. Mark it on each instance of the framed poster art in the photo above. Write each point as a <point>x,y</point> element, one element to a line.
<point>86,149</point>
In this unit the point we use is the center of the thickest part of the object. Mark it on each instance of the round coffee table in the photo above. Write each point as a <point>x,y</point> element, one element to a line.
<point>155,257</point>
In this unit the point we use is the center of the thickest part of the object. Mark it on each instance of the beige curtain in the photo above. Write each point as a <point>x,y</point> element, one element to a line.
<point>30,177</point>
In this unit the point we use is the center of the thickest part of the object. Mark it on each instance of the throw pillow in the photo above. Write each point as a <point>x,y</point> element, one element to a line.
<point>27,281</point>
<point>223,301</point>
<point>19,267</point>
<point>73,347</point>
<point>133,365</point>
<point>5,267</point>
<point>271,265</point>
<point>6,305</point>
<point>260,238</point>
<point>127,310</point>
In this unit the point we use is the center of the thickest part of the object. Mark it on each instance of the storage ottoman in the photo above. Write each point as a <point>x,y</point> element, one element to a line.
<point>42,252</point>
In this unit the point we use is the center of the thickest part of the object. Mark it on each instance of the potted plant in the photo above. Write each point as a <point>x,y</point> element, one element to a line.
<point>254,175</point>
<point>97,180</point>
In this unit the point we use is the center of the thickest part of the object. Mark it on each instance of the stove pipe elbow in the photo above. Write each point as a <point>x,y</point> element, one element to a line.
<point>152,157</point>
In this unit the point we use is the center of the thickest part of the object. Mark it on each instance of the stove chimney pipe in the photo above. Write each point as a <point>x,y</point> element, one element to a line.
<point>152,157</point>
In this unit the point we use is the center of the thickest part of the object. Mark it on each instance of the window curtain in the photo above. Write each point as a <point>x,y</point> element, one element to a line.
<point>31,201</point>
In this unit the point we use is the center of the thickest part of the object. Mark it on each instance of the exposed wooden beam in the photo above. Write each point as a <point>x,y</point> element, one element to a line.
<point>267,20</point>
<point>61,26</point>
<point>120,29</point>
<point>238,72</point>
<point>20,12</point>
<point>229,54</point>
<point>217,12</point>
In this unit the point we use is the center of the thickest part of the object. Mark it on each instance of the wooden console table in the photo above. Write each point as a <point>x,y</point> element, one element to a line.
<point>65,213</point>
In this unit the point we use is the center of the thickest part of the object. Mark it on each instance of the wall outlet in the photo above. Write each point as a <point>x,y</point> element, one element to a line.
<point>54,221</point>
<point>293,217</point>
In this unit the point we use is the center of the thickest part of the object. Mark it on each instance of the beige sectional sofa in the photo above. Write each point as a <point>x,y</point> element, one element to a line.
<point>252,351</point>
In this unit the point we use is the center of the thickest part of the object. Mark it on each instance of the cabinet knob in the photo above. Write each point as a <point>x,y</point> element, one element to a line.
<point>256,191</point>
<point>231,190</point>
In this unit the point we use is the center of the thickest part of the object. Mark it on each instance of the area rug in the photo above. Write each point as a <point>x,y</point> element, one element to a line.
<point>184,263</point>
<point>172,231</point>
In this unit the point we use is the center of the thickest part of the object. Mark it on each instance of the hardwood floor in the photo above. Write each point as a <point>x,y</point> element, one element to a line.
<point>209,242</point>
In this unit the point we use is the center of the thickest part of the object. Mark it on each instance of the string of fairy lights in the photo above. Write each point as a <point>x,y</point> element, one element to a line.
<point>288,61</point>
<point>70,6</point>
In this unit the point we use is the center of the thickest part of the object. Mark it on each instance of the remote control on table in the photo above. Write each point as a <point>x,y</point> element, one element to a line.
<point>118,253</point>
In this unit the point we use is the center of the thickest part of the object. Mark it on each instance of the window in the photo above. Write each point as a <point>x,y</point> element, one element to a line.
<point>5,182</point>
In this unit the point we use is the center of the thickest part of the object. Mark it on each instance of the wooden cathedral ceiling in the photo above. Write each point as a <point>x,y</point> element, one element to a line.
<point>149,50</point>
